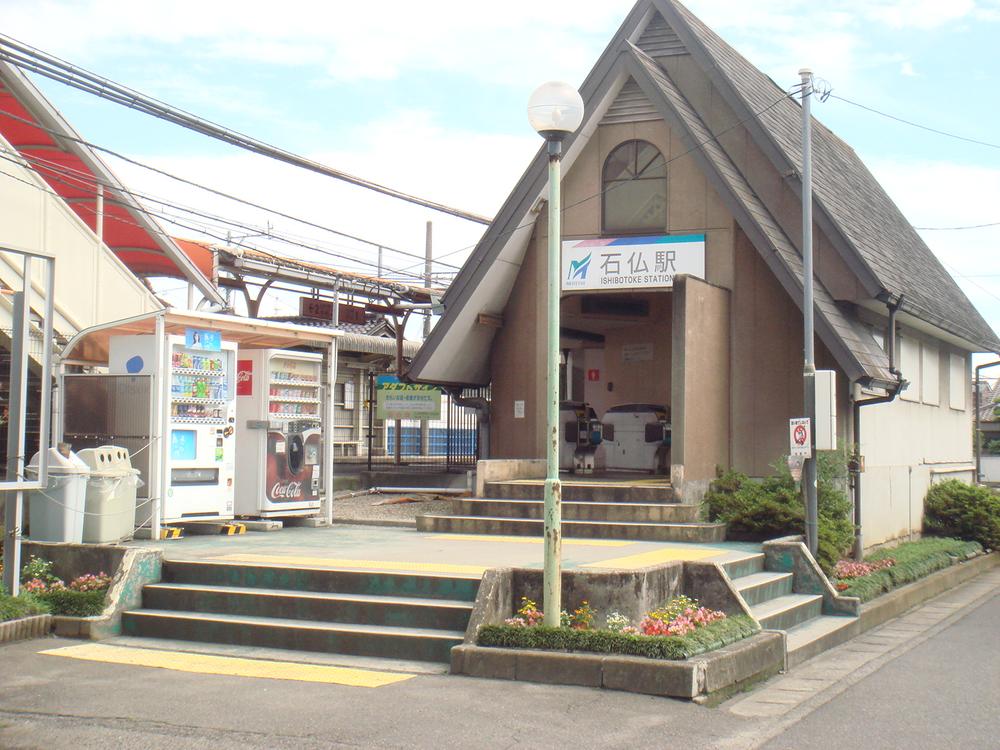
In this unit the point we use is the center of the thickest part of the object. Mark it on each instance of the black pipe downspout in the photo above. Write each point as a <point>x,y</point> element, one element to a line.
<point>854,466</point>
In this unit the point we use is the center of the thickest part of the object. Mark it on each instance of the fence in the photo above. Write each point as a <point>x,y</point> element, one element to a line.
<point>450,443</point>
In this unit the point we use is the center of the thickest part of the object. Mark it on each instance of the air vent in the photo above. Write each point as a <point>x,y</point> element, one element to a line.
<point>631,105</point>
<point>659,40</point>
<point>613,304</point>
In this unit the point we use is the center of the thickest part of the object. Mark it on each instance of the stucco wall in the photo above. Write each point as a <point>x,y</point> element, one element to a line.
<point>92,285</point>
<point>702,389</point>
<point>908,445</point>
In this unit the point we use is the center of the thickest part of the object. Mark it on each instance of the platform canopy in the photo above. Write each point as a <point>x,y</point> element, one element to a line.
<point>53,149</point>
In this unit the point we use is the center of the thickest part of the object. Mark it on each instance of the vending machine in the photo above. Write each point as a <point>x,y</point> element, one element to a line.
<point>278,413</point>
<point>200,420</point>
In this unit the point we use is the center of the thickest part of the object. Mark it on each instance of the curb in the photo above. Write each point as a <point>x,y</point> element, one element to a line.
<point>25,628</point>
<point>396,523</point>
<point>896,602</point>
<point>751,659</point>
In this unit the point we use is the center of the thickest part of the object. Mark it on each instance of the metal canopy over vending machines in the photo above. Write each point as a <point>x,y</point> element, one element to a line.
<point>192,403</point>
<point>279,456</point>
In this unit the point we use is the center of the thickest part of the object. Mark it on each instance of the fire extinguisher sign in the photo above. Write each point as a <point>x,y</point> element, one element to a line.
<point>799,437</point>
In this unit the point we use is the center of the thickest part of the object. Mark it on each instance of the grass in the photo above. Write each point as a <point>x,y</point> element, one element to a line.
<point>914,560</point>
<point>712,636</point>
<point>23,605</point>
<point>74,603</point>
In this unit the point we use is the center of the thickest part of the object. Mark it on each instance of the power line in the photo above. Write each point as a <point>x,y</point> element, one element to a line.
<point>956,229</point>
<point>30,58</point>
<point>85,179</point>
<point>175,220</point>
<point>603,191</point>
<point>208,189</point>
<point>914,124</point>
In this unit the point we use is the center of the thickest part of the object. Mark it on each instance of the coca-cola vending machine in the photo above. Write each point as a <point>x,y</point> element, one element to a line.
<point>279,415</point>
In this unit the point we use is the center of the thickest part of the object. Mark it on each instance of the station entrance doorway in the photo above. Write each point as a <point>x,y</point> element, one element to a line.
<point>615,383</point>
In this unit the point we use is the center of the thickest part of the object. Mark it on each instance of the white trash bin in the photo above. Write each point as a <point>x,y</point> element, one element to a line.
<point>110,494</point>
<point>56,514</point>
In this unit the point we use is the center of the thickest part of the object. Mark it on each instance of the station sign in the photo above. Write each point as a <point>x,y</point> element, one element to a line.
<point>631,262</point>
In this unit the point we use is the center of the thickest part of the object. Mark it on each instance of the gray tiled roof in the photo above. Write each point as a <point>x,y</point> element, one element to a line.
<point>839,330</point>
<point>867,219</point>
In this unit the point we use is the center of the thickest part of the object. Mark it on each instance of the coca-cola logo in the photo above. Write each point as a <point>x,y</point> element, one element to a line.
<point>287,490</point>
<point>243,376</point>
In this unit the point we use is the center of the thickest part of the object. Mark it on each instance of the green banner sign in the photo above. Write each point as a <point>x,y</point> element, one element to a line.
<point>395,400</point>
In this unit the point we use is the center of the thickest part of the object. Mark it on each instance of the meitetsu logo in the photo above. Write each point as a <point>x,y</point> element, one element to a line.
<point>578,269</point>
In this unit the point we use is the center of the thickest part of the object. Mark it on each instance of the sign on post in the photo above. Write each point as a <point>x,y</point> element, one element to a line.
<point>395,400</point>
<point>799,437</point>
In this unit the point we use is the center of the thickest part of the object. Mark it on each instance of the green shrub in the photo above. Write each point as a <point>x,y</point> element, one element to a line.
<point>712,636</point>
<point>773,507</point>
<point>914,560</point>
<point>74,603</point>
<point>954,508</point>
<point>23,605</point>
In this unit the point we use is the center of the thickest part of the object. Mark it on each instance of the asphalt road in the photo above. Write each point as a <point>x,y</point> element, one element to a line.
<point>942,692</point>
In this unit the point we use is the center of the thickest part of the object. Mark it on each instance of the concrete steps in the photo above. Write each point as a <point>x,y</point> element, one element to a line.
<point>759,587</point>
<point>784,612</point>
<point>578,511</point>
<point>271,632</point>
<point>585,491</point>
<point>816,636</point>
<point>310,605</point>
<point>635,531</point>
<point>776,605</point>
<point>392,615</point>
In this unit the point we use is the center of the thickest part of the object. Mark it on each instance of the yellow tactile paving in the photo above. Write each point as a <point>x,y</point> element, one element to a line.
<point>229,666</point>
<point>336,562</point>
<point>655,557</point>
<point>530,540</point>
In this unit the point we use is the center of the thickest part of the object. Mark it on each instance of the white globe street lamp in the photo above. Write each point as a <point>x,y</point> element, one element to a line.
<point>555,110</point>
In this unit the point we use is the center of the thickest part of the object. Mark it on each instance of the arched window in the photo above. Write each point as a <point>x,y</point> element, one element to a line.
<point>635,189</point>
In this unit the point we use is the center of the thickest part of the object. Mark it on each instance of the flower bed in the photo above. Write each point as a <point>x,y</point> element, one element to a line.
<point>677,630</point>
<point>84,596</point>
<point>886,569</point>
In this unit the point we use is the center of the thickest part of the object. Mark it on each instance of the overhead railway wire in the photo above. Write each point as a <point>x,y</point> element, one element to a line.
<point>213,191</point>
<point>30,58</point>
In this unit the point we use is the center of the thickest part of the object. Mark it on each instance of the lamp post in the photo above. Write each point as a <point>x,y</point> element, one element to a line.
<point>555,110</point>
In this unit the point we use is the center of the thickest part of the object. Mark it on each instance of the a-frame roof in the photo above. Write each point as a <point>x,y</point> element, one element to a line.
<point>877,243</point>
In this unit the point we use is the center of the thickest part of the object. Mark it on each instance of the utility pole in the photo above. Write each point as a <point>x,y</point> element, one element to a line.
<point>428,270</point>
<point>809,488</point>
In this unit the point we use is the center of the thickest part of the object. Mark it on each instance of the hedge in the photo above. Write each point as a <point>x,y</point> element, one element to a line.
<point>712,636</point>
<point>956,509</point>
<point>23,605</point>
<point>914,560</point>
<point>74,603</point>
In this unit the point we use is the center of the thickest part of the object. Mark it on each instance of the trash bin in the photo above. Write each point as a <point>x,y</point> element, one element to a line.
<point>55,514</point>
<point>111,494</point>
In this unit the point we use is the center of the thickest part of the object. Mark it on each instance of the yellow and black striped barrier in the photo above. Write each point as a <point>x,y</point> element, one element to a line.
<point>231,529</point>
<point>171,532</point>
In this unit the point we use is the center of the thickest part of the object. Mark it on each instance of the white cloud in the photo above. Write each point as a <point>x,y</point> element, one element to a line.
<point>906,69</point>
<point>946,194</point>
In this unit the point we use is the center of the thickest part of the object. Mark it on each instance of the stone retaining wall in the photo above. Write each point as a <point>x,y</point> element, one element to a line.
<point>25,628</point>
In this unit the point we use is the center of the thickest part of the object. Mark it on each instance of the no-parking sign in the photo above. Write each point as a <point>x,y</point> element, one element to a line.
<point>799,437</point>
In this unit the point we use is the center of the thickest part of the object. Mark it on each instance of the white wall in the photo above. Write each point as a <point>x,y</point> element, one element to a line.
<point>92,286</point>
<point>912,443</point>
<point>990,466</point>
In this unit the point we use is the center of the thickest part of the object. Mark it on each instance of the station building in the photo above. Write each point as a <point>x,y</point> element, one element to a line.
<point>682,211</point>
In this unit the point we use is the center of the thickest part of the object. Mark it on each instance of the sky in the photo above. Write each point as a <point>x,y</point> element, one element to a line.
<point>429,98</point>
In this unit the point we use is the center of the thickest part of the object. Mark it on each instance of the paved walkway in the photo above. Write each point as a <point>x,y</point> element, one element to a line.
<point>407,550</point>
<point>788,698</point>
